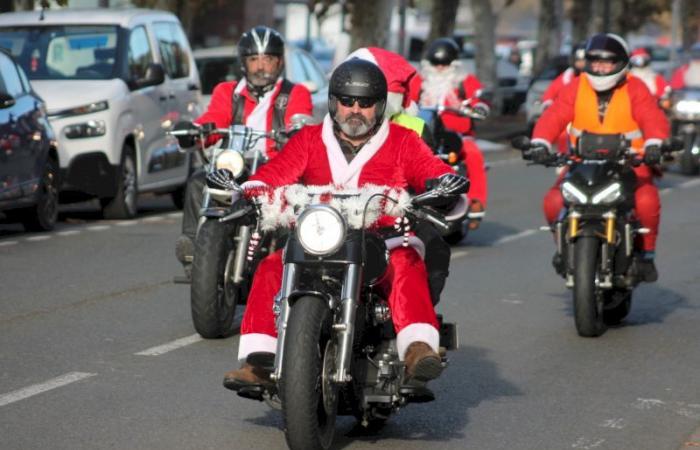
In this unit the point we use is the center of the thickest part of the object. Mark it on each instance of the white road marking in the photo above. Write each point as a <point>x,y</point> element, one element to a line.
<point>514,237</point>
<point>68,233</point>
<point>175,215</point>
<point>170,346</point>
<point>35,389</point>
<point>42,237</point>
<point>126,223</point>
<point>689,184</point>
<point>8,243</point>
<point>459,254</point>
<point>586,443</point>
<point>98,227</point>
<point>152,219</point>
<point>617,424</point>
<point>647,403</point>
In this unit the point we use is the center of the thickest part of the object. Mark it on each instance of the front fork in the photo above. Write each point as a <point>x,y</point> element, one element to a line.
<point>607,239</point>
<point>345,328</point>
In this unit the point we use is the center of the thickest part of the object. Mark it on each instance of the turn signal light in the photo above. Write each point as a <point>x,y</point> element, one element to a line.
<point>452,158</point>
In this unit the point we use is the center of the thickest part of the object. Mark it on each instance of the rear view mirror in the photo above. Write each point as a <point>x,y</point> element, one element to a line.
<point>155,75</point>
<point>6,100</point>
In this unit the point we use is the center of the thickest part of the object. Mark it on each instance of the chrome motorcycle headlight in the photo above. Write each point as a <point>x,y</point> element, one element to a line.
<point>687,107</point>
<point>572,194</point>
<point>231,160</point>
<point>320,230</point>
<point>608,194</point>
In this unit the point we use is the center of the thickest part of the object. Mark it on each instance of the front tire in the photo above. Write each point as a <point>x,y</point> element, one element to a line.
<point>687,161</point>
<point>124,204</point>
<point>588,305</point>
<point>310,422</point>
<point>213,296</point>
<point>43,216</point>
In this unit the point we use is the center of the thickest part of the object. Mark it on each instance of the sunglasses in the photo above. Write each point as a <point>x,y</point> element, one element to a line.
<point>349,102</point>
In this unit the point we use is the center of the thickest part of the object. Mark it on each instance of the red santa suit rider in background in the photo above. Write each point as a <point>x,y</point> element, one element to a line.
<point>444,83</point>
<point>354,146</point>
<point>688,75</point>
<point>609,100</point>
<point>640,60</point>
<point>263,100</point>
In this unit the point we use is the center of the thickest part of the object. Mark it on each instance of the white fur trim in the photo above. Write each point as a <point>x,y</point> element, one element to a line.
<point>256,342</point>
<point>654,141</point>
<point>253,184</point>
<point>413,242</point>
<point>363,53</point>
<point>344,174</point>
<point>459,210</point>
<point>417,332</point>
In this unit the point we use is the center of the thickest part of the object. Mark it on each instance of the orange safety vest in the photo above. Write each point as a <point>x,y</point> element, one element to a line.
<point>618,116</point>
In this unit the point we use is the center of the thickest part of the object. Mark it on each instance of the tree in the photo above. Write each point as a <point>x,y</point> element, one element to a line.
<point>442,18</point>
<point>548,33</point>
<point>369,28</point>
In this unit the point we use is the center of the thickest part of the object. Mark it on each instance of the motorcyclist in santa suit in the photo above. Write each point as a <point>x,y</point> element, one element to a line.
<point>607,100</point>
<point>353,147</point>
<point>444,84</point>
<point>262,100</point>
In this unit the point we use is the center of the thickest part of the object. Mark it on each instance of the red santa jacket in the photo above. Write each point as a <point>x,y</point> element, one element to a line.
<point>220,110</point>
<point>564,78</point>
<point>395,156</point>
<point>645,112</point>
<point>471,90</point>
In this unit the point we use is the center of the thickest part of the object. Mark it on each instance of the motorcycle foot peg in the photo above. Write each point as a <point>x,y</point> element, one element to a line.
<point>416,393</point>
<point>253,392</point>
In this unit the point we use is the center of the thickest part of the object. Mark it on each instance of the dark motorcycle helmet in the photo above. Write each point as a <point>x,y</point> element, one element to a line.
<point>261,40</point>
<point>607,47</point>
<point>358,78</point>
<point>442,52</point>
<point>578,53</point>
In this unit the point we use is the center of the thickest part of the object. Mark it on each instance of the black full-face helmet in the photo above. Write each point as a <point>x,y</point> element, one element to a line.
<point>442,52</point>
<point>578,53</point>
<point>261,40</point>
<point>360,79</point>
<point>608,47</point>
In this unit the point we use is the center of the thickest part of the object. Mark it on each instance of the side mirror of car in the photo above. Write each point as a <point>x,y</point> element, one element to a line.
<point>155,75</point>
<point>6,100</point>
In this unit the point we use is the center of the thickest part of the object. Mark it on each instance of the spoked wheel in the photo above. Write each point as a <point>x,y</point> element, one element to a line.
<point>213,296</point>
<point>309,397</point>
<point>618,303</point>
<point>588,302</point>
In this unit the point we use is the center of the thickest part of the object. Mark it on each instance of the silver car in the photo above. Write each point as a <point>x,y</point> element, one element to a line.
<point>114,82</point>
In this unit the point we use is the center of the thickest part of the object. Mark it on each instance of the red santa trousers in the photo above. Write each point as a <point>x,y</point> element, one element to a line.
<point>476,170</point>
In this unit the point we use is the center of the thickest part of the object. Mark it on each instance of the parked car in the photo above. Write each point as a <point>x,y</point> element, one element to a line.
<point>28,154</point>
<point>219,64</point>
<point>540,83</point>
<point>114,81</point>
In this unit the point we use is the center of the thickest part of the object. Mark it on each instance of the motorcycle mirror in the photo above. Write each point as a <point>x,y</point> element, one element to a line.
<point>521,143</point>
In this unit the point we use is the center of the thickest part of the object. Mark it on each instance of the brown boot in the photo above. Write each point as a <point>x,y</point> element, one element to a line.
<point>476,213</point>
<point>422,363</point>
<point>247,375</point>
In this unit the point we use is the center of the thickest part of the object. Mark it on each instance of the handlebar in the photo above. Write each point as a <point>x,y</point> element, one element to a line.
<point>464,111</point>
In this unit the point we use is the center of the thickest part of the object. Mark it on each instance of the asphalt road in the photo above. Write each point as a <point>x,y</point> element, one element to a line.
<point>97,350</point>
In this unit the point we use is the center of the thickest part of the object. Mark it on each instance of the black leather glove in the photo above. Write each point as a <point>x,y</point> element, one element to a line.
<point>186,141</point>
<point>448,188</point>
<point>652,155</point>
<point>222,179</point>
<point>539,153</point>
<point>453,184</point>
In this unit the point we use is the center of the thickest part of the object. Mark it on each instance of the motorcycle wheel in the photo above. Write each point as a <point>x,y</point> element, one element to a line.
<point>213,300</point>
<point>618,303</point>
<point>588,305</point>
<point>309,398</point>
<point>687,161</point>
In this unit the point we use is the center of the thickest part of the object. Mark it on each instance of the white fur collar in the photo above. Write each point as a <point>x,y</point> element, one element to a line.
<point>344,174</point>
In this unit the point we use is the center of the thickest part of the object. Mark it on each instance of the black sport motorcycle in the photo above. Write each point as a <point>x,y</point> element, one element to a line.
<point>685,125</point>
<point>596,230</point>
<point>448,147</point>
<point>336,351</point>
<point>221,270</point>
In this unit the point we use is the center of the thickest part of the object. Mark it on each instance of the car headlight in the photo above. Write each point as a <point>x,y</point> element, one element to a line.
<point>91,128</point>
<point>572,194</point>
<point>320,230</point>
<point>231,160</point>
<point>688,107</point>
<point>80,110</point>
<point>607,195</point>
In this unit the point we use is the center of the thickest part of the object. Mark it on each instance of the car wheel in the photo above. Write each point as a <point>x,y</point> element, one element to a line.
<point>124,204</point>
<point>42,217</point>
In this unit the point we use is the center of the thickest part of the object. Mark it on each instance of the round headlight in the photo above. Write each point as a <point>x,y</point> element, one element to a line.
<point>231,160</point>
<point>320,230</point>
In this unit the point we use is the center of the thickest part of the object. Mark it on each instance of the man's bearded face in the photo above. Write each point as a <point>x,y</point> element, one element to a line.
<point>262,70</point>
<point>355,121</point>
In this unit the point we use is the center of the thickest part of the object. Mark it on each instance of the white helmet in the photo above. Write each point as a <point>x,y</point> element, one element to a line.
<point>607,47</point>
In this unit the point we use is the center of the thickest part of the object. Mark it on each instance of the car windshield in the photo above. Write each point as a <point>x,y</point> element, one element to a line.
<point>214,70</point>
<point>64,52</point>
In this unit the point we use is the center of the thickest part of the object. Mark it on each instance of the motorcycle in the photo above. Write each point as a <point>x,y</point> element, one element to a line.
<point>221,272</point>
<point>448,147</point>
<point>596,230</point>
<point>685,123</point>
<point>336,350</point>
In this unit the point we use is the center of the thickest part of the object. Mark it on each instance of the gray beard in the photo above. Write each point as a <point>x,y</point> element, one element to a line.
<point>356,127</point>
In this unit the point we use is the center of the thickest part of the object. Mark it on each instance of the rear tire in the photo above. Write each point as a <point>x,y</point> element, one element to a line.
<point>124,204</point>
<point>43,215</point>
<point>213,299</point>
<point>309,424</point>
<point>588,305</point>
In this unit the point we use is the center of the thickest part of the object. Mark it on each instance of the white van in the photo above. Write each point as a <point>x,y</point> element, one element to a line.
<point>114,81</point>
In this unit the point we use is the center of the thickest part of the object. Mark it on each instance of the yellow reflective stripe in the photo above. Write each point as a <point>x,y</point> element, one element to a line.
<point>411,122</point>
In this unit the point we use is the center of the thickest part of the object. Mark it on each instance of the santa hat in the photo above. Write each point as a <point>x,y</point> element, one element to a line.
<point>640,57</point>
<point>400,75</point>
